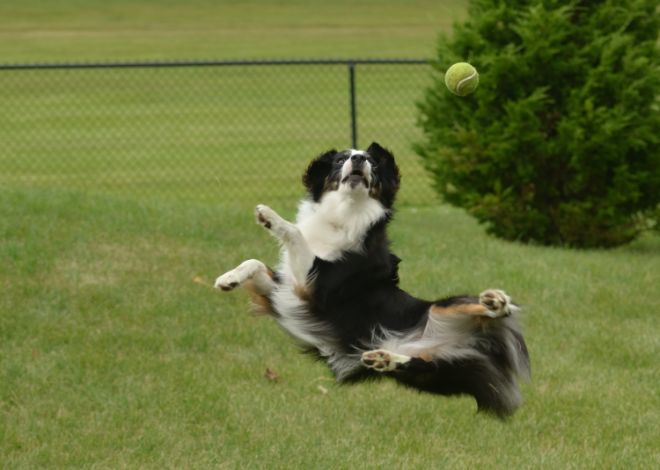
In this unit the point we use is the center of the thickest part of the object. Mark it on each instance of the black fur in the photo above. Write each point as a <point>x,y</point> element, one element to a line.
<point>323,174</point>
<point>354,304</point>
<point>317,172</point>
<point>358,296</point>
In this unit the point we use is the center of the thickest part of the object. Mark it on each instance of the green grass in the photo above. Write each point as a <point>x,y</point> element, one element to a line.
<point>118,188</point>
<point>44,30</point>
<point>112,357</point>
<point>207,133</point>
<point>212,134</point>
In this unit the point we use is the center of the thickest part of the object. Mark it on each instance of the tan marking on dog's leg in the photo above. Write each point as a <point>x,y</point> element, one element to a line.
<point>425,356</point>
<point>261,304</point>
<point>460,309</point>
<point>302,292</point>
<point>258,289</point>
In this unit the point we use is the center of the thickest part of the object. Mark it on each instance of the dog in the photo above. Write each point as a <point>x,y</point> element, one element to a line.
<point>336,292</point>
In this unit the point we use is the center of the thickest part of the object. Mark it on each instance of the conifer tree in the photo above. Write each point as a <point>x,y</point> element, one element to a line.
<point>560,144</point>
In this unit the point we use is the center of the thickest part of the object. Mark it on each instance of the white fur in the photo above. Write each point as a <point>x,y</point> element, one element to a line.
<point>444,337</point>
<point>251,269</point>
<point>338,222</point>
<point>325,229</point>
<point>382,360</point>
<point>297,257</point>
<point>347,168</point>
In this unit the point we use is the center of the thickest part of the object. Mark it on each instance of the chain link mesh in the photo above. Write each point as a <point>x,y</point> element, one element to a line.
<point>232,135</point>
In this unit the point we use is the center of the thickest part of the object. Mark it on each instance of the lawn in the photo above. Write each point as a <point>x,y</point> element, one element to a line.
<point>83,30</point>
<point>218,134</point>
<point>112,357</point>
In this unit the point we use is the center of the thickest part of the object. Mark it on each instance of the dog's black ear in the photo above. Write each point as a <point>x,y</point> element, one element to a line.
<point>388,173</point>
<point>375,149</point>
<point>382,155</point>
<point>315,177</point>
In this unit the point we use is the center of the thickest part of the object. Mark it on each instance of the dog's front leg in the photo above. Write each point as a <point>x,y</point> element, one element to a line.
<point>300,255</point>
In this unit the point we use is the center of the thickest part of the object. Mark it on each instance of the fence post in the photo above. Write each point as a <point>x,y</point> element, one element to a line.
<point>351,82</point>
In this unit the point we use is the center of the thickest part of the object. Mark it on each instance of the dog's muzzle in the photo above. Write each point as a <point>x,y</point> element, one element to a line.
<point>358,172</point>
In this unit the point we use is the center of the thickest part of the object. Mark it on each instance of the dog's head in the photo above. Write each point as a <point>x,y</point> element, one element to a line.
<point>370,172</point>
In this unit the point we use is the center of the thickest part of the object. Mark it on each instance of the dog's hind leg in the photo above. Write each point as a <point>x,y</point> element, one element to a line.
<point>382,360</point>
<point>467,345</point>
<point>447,333</point>
<point>493,385</point>
<point>256,278</point>
<point>262,278</point>
<point>491,303</point>
<point>497,302</point>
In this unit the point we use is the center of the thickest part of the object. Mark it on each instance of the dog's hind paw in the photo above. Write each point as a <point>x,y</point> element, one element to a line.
<point>497,302</point>
<point>381,360</point>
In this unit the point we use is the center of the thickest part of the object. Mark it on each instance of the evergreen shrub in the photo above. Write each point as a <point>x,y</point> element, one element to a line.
<point>560,144</point>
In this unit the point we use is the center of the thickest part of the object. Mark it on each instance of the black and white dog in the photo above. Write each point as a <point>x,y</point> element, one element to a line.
<point>336,291</point>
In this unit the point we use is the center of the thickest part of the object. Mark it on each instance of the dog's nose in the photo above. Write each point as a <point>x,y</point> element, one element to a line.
<point>358,159</point>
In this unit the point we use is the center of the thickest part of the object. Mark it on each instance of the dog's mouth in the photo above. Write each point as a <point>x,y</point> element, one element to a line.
<point>354,178</point>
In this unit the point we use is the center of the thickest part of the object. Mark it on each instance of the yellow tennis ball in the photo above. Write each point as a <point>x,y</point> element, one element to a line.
<point>461,79</point>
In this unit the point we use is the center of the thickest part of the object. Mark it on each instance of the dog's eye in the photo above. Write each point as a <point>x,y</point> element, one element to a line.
<point>372,161</point>
<point>340,160</point>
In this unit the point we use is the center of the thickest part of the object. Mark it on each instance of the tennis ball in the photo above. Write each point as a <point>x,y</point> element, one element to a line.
<point>461,79</point>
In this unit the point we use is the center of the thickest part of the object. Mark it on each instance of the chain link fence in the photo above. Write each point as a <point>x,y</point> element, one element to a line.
<point>231,133</point>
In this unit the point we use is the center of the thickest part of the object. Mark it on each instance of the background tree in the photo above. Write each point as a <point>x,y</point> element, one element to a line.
<point>561,142</point>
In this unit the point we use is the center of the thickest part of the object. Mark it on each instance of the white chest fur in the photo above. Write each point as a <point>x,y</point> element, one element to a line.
<point>338,222</point>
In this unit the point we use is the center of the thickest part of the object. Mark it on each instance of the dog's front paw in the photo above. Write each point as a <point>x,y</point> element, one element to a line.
<point>265,216</point>
<point>228,281</point>
<point>497,302</point>
<point>381,360</point>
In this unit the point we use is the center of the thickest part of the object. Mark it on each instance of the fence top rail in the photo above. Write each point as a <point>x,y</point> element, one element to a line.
<point>209,63</point>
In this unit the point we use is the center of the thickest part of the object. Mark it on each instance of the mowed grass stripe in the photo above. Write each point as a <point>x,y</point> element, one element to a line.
<point>44,31</point>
